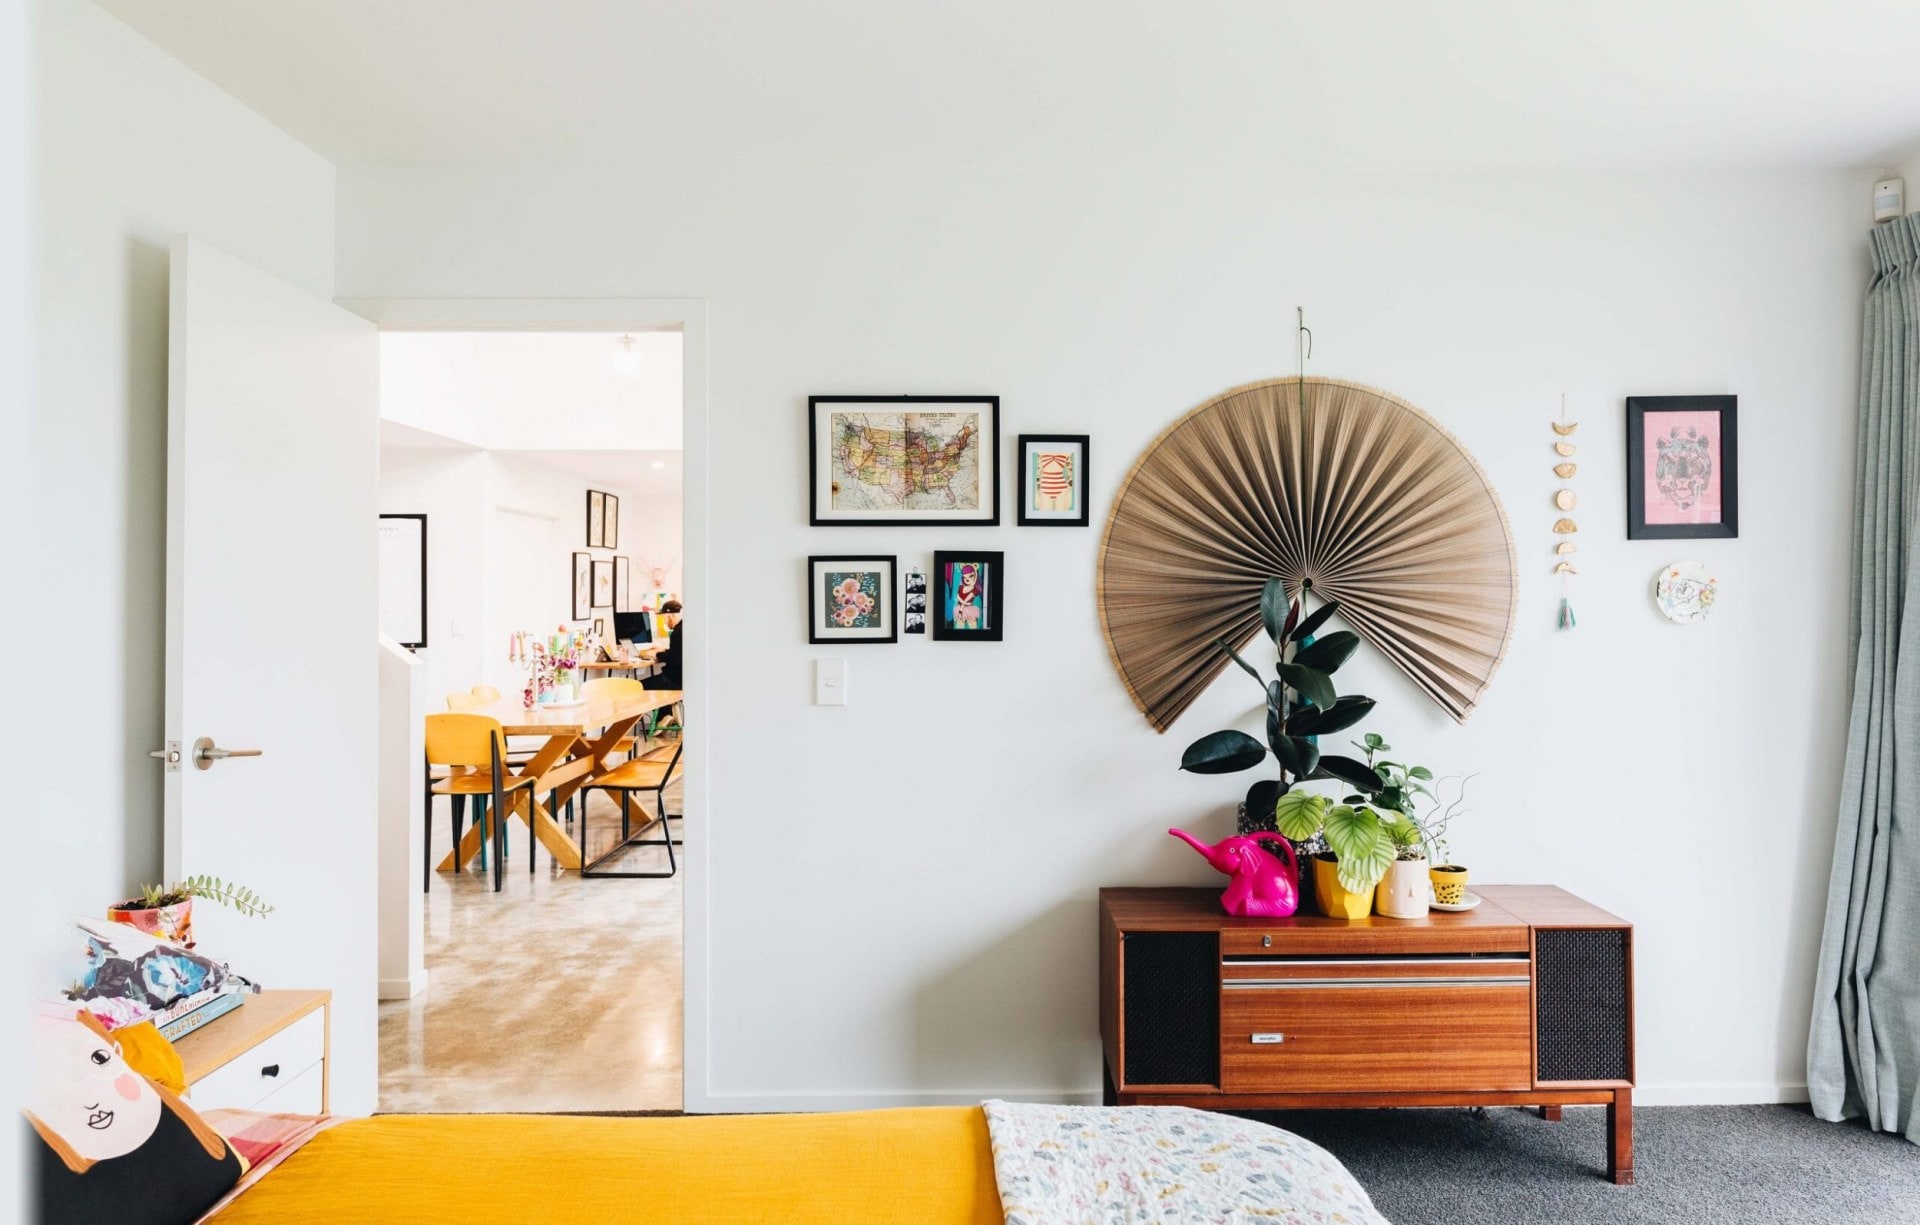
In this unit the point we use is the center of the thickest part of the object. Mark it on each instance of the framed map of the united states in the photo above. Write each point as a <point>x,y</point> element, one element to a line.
<point>897,461</point>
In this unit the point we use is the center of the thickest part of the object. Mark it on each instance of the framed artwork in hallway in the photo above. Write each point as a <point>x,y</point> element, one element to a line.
<point>582,586</point>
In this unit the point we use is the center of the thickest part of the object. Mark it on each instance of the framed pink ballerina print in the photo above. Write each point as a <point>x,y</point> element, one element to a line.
<point>1683,467</point>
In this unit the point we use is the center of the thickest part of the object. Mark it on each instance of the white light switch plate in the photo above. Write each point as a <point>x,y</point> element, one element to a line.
<point>829,682</point>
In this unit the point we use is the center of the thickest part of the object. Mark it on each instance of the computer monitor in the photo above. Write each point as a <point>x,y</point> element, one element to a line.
<point>633,627</point>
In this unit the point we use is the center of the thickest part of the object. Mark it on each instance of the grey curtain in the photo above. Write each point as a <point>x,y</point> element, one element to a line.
<point>1863,1056</point>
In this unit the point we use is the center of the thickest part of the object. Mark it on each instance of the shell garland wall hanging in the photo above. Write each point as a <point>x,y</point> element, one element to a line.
<point>1565,499</point>
<point>1323,483</point>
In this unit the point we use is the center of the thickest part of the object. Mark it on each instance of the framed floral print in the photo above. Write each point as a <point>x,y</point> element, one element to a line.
<point>850,599</point>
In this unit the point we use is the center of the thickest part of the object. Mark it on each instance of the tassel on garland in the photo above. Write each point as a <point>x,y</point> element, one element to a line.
<point>1566,614</point>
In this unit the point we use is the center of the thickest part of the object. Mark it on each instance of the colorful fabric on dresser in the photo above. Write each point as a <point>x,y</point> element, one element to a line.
<point>1163,1164</point>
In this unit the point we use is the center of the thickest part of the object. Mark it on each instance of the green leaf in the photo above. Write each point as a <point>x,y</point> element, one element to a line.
<point>1311,683</point>
<point>1305,629</point>
<point>1250,669</point>
<point>1320,721</point>
<point>1299,756</point>
<point>1422,773</point>
<point>1298,814</point>
<point>1223,753</point>
<point>1361,844</point>
<point>1275,609</point>
<point>1328,653</point>
<point>1261,798</point>
<point>1354,773</point>
<point>1374,742</point>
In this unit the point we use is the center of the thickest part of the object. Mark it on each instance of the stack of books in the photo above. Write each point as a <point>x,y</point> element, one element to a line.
<point>186,1015</point>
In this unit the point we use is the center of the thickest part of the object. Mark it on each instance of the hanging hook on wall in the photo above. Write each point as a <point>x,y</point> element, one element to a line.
<point>1303,339</point>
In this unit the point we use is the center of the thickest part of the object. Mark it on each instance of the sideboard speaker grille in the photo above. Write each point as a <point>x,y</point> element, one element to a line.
<point>1580,984</point>
<point>1172,1034</point>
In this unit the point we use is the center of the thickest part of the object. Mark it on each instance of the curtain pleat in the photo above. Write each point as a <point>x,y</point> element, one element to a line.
<point>1863,1054</point>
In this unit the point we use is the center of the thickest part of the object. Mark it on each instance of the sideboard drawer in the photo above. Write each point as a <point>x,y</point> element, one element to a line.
<point>1375,1035</point>
<point>256,1073</point>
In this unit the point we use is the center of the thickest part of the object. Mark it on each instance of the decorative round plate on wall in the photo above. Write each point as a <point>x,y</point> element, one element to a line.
<point>1684,592</point>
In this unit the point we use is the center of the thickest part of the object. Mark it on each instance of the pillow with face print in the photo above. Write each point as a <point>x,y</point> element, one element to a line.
<point>113,1147</point>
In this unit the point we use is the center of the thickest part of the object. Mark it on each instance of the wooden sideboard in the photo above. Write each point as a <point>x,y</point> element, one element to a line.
<point>1526,1000</point>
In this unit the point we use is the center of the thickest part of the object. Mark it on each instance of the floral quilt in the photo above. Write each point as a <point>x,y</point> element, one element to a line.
<point>1093,1165</point>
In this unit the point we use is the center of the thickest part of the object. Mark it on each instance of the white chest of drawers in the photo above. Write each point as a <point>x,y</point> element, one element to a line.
<point>268,1054</point>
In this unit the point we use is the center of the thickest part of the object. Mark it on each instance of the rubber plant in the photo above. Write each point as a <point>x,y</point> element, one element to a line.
<point>1301,706</point>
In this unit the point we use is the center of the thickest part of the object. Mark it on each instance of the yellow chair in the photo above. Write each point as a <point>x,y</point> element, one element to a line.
<point>655,770</point>
<point>616,687</point>
<point>470,744</point>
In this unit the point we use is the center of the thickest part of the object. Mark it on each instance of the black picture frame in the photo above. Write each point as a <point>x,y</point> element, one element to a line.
<point>596,519</point>
<point>1645,413</point>
<point>582,586</point>
<point>422,624</point>
<point>992,607</point>
<point>819,462</point>
<point>1028,515</point>
<point>819,633</point>
<point>610,523</point>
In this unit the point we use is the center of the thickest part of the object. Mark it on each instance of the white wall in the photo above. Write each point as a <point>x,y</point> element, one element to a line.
<point>902,890</point>
<point>16,963</point>
<point>130,149</point>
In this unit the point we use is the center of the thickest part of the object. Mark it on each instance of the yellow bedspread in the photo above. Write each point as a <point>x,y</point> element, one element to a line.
<point>931,1165</point>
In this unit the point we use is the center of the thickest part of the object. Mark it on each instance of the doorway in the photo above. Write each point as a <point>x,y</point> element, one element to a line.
<point>535,456</point>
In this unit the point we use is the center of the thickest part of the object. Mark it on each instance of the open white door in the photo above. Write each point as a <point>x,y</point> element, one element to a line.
<point>272,470</point>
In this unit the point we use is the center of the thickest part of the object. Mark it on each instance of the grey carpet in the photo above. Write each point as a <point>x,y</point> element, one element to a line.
<point>1697,1164</point>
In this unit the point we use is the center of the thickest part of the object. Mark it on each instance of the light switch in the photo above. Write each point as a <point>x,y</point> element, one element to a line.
<point>829,682</point>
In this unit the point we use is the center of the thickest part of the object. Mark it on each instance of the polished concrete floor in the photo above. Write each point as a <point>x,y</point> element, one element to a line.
<point>554,994</point>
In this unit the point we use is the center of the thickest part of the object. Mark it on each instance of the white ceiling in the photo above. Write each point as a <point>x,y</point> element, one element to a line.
<point>1389,84</point>
<point>536,390</point>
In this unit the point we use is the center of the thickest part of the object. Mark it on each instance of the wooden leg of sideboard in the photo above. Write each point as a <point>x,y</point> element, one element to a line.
<point>1550,1113</point>
<point>1109,1096</point>
<point>1620,1137</point>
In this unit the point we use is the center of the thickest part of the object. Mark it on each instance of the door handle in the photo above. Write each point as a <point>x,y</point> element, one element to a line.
<point>205,753</point>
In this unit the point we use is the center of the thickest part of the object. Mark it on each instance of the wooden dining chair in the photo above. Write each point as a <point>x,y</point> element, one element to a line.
<point>616,687</point>
<point>471,744</point>
<point>654,770</point>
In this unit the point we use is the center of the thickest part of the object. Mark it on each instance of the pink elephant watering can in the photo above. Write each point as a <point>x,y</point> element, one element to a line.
<point>1262,886</point>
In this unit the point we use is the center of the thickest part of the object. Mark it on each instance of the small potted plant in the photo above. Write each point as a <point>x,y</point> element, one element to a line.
<point>165,912</point>
<point>1379,845</point>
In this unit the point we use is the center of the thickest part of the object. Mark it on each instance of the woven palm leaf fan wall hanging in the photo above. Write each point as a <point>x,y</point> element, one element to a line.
<point>1346,491</point>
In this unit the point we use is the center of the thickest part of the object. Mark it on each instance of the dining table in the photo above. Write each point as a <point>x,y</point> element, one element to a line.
<point>579,738</point>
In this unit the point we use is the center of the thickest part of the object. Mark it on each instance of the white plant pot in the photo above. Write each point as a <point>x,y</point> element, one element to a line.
<point>1403,893</point>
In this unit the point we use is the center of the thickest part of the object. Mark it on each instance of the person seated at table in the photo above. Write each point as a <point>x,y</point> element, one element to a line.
<point>668,661</point>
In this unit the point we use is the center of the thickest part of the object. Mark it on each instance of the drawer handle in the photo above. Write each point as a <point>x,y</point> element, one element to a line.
<point>272,1069</point>
<point>1319,984</point>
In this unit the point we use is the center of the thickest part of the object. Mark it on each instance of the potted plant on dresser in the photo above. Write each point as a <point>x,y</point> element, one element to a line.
<point>1379,846</point>
<point>166,911</point>
<point>1301,705</point>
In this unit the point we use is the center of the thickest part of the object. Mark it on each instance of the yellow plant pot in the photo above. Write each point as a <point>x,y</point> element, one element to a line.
<point>1336,900</point>
<point>1449,884</point>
